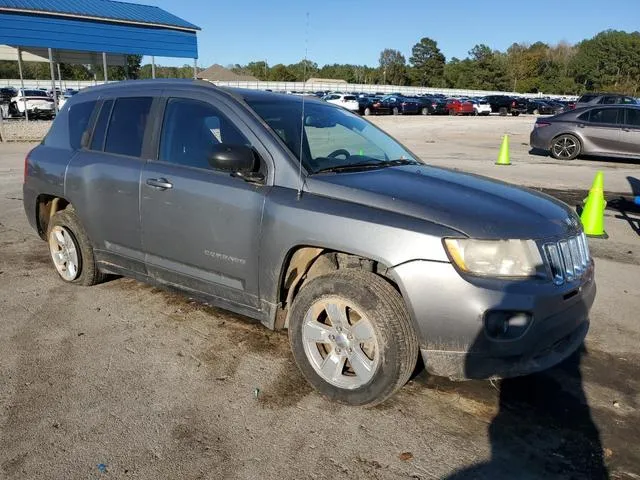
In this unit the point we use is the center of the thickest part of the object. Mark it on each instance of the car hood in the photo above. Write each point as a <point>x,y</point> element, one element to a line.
<point>475,206</point>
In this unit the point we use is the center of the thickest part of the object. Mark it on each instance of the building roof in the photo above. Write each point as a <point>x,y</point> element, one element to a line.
<point>105,10</point>
<point>217,73</point>
<point>326,80</point>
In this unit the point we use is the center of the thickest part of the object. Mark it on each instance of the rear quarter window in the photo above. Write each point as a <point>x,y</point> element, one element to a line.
<point>586,98</point>
<point>79,116</point>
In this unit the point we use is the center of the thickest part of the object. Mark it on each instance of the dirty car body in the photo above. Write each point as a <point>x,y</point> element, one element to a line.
<point>249,241</point>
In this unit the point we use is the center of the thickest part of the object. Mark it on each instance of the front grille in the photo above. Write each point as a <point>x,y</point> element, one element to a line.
<point>568,259</point>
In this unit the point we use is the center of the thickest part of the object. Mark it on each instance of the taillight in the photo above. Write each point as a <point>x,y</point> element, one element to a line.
<point>434,105</point>
<point>513,104</point>
<point>404,104</point>
<point>541,124</point>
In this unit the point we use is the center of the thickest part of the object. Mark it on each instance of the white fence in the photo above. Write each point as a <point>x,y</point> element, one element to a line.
<point>301,87</point>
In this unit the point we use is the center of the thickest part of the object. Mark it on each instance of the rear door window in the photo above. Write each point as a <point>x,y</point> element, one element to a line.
<point>127,126</point>
<point>608,116</point>
<point>79,116</point>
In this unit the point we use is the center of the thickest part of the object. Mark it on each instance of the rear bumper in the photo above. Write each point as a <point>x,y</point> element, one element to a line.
<point>448,312</point>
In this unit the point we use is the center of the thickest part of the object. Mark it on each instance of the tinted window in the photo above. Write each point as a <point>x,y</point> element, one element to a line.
<point>79,115</point>
<point>97,142</point>
<point>126,127</point>
<point>604,115</point>
<point>586,98</point>
<point>35,93</point>
<point>349,97</point>
<point>628,101</point>
<point>584,117</point>
<point>633,117</point>
<point>610,100</point>
<point>192,129</point>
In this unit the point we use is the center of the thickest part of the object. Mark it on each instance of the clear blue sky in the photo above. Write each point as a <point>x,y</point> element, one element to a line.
<point>355,31</point>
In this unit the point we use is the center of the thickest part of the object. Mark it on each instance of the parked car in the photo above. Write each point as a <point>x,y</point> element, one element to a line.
<point>400,105</point>
<point>540,107</point>
<point>481,106</point>
<point>312,220</point>
<point>590,99</point>
<point>603,130</point>
<point>426,104</point>
<point>372,106</point>
<point>350,102</point>
<point>504,105</point>
<point>459,107</point>
<point>6,94</point>
<point>439,105</point>
<point>38,104</point>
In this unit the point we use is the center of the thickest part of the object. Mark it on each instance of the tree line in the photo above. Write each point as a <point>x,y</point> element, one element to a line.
<point>610,61</point>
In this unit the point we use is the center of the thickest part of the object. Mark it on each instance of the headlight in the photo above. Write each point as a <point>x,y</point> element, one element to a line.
<point>496,258</point>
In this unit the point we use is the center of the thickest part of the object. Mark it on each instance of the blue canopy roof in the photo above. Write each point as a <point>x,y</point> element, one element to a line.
<point>106,10</point>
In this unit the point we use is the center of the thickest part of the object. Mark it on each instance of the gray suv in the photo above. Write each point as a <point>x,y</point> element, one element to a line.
<point>307,217</point>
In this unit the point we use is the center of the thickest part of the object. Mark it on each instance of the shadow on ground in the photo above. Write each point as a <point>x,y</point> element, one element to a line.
<point>544,429</point>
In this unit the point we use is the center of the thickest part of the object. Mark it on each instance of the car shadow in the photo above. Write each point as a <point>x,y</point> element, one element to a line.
<point>623,160</point>
<point>544,426</point>
<point>543,429</point>
<point>627,209</point>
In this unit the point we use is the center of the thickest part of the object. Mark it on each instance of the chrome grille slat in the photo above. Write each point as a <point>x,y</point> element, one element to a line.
<point>568,259</point>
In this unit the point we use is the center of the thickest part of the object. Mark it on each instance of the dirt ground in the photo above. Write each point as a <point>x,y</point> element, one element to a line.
<point>123,380</point>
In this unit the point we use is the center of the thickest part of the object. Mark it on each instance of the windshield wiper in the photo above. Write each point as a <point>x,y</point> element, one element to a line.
<point>368,165</point>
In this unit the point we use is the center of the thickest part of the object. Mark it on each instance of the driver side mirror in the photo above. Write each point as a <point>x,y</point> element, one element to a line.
<point>239,160</point>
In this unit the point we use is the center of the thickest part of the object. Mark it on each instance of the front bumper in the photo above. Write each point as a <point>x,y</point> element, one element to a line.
<point>448,313</point>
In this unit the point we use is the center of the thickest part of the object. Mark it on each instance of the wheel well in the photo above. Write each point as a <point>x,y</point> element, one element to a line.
<point>46,206</point>
<point>306,263</point>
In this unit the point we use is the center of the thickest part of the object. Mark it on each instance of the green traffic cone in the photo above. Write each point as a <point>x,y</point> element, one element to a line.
<point>503,155</point>
<point>592,217</point>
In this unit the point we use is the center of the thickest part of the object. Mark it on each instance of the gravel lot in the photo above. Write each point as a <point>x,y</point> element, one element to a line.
<point>124,380</point>
<point>21,131</point>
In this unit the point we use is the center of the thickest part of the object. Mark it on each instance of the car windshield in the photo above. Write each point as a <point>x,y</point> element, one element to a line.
<point>333,138</point>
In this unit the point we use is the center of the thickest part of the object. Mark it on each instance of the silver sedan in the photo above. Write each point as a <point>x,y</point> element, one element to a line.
<point>603,130</point>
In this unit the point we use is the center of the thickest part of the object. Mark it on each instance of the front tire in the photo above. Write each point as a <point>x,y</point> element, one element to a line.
<point>71,251</point>
<point>424,111</point>
<point>396,111</point>
<point>367,112</point>
<point>565,147</point>
<point>352,337</point>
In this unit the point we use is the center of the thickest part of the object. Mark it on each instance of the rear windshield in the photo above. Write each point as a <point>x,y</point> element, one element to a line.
<point>349,97</point>
<point>35,93</point>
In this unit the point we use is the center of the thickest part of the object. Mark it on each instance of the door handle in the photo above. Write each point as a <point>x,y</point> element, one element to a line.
<point>159,183</point>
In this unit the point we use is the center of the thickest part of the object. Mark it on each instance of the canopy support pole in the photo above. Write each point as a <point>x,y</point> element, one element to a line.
<point>24,97</point>
<point>60,78</point>
<point>53,81</point>
<point>104,67</point>
<point>195,68</point>
<point>153,66</point>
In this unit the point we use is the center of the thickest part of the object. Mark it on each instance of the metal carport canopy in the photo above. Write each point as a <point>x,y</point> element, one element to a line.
<point>96,26</point>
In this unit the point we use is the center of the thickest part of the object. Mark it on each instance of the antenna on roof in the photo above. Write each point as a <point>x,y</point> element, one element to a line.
<point>304,79</point>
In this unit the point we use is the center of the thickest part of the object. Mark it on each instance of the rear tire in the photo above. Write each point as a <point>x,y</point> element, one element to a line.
<point>565,147</point>
<point>515,114</point>
<point>396,111</point>
<point>345,360</point>
<point>71,251</point>
<point>424,111</point>
<point>536,112</point>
